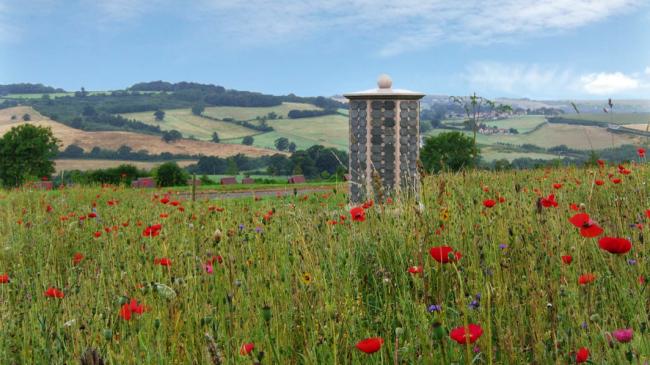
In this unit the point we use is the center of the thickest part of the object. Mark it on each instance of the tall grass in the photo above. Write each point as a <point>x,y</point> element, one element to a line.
<point>305,291</point>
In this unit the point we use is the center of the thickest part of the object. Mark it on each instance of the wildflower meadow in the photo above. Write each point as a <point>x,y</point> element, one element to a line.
<point>517,267</point>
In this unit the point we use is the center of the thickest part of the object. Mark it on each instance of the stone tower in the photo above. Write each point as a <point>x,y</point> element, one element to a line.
<point>384,140</point>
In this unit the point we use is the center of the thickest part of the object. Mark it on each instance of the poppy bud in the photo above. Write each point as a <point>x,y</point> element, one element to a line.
<point>438,332</point>
<point>156,323</point>
<point>216,237</point>
<point>266,313</point>
<point>108,334</point>
<point>399,331</point>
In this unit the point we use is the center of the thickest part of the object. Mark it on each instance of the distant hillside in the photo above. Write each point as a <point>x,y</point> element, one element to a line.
<point>112,140</point>
<point>26,88</point>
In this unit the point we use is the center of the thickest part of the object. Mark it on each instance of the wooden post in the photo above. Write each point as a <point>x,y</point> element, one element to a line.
<point>194,186</point>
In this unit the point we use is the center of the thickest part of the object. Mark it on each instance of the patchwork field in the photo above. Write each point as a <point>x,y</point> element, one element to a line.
<point>613,118</point>
<point>115,139</point>
<point>86,164</point>
<point>328,130</point>
<point>189,124</point>
<point>550,135</point>
<point>525,267</point>
<point>242,113</point>
<point>523,124</point>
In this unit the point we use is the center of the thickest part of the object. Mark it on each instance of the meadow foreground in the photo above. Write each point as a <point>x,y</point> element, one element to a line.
<point>527,267</point>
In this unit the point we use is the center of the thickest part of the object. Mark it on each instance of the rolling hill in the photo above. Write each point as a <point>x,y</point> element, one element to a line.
<point>112,140</point>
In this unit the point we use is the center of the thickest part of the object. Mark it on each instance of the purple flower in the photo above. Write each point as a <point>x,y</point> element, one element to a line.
<point>258,229</point>
<point>623,335</point>
<point>478,296</point>
<point>241,227</point>
<point>503,246</point>
<point>631,262</point>
<point>584,325</point>
<point>435,308</point>
<point>474,304</point>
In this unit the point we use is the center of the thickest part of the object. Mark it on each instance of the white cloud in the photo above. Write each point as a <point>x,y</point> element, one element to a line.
<point>409,24</point>
<point>647,70</point>
<point>502,79</point>
<point>547,81</point>
<point>123,10</point>
<point>608,83</point>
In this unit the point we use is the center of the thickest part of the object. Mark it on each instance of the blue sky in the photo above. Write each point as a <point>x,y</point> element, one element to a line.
<point>551,49</point>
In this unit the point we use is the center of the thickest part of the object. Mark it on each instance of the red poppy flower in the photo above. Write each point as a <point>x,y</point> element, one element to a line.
<point>574,206</point>
<point>444,254</point>
<point>49,208</point>
<point>641,152</point>
<point>549,201</point>
<point>97,234</point>
<point>368,204</point>
<point>502,199</point>
<point>415,269</point>
<point>462,334</point>
<point>175,203</point>
<point>557,186</point>
<point>163,261</point>
<point>567,259</point>
<point>92,215</point>
<point>647,213</point>
<point>152,231</point>
<point>77,258</point>
<point>129,308</point>
<point>370,345</point>
<point>4,278</point>
<point>588,228</point>
<point>601,163</point>
<point>489,203</point>
<point>246,348</point>
<point>54,293</point>
<point>615,245</point>
<point>616,180</point>
<point>358,214</point>
<point>599,182</point>
<point>164,200</point>
<point>582,355</point>
<point>585,279</point>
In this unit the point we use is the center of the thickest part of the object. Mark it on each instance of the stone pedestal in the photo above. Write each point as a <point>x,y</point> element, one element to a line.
<point>384,140</point>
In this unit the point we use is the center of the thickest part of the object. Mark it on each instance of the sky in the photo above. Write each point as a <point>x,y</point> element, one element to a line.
<point>540,49</point>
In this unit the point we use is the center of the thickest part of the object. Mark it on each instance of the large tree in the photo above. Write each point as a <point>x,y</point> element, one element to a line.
<point>282,143</point>
<point>449,151</point>
<point>26,151</point>
<point>159,115</point>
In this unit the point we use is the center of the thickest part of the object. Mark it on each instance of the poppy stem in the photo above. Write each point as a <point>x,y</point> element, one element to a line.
<point>468,351</point>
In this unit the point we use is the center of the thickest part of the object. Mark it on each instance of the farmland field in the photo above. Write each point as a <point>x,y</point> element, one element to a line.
<point>296,280</point>
<point>328,130</point>
<point>250,113</point>
<point>550,135</point>
<point>613,118</point>
<point>192,125</point>
<point>113,140</point>
<point>523,123</point>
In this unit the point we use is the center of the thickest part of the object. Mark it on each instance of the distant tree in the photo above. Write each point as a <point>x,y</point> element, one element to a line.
<point>232,169</point>
<point>14,117</point>
<point>502,165</point>
<point>171,136</point>
<point>124,152</point>
<point>248,140</point>
<point>450,150</point>
<point>215,137</point>
<point>272,115</point>
<point>292,147</point>
<point>170,174</point>
<point>89,111</point>
<point>198,109</point>
<point>159,114</point>
<point>27,117</point>
<point>26,151</point>
<point>282,144</point>
<point>72,151</point>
